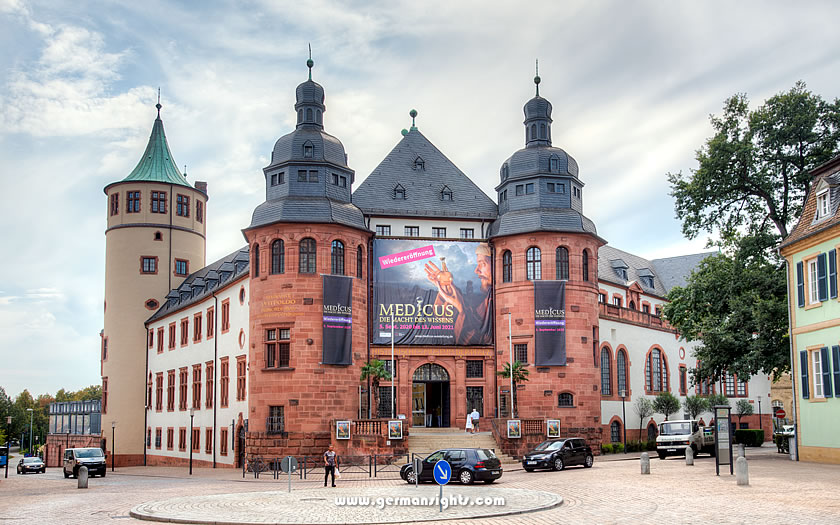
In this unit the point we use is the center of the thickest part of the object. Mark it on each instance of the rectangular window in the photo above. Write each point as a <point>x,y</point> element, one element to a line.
<point>343,181</point>
<point>276,350</point>
<point>646,308</point>
<point>170,390</point>
<point>818,374</point>
<point>115,203</point>
<point>729,385</point>
<point>439,233</point>
<point>225,315</point>
<point>520,189</point>
<point>181,267</point>
<point>160,340</point>
<point>742,388</point>
<point>683,380</point>
<point>383,229</point>
<point>159,392</point>
<point>520,353</point>
<point>208,441</point>
<point>550,187</point>
<point>335,179</point>
<point>208,386</point>
<point>183,387</point>
<point>199,211</point>
<point>313,176</point>
<point>223,439</point>
<point>104,348</point>
<point>301,175</point>
<point>183,206</point>
<point>170,438</point>
<point>151,338</point>
<point>823,208</point>
<point>171,336</point>
<point>224,381</point>
<point>276,420</point>
<point>617,301</point>
<point>132,202</point>
<point>182,439</point>
<point>240,378</point>
<point>475,368</point>
<point>158,436</point>
<point>274,179</point>
<point>104,395</point>
<point>158,202</point>
<point>529,188</point>
<point>148,265</point>
<point>467,233</point>
<point>185,331</point>
<point>196,439</point>
<point>196,387</point>
<point>412,231</point>
<point>197,327</point>
<point>211,321</point>
<point>602,298</point>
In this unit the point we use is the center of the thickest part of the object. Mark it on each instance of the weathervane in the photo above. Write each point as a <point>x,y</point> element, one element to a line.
<point>158,106</point>
<point>537,78</point>
<point>310,63</point>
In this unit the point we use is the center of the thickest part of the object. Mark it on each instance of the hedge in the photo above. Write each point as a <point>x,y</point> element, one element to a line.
<point>749,437</point>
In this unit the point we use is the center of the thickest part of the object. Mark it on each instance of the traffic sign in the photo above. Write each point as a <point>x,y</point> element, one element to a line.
<point>289,465</point>
<point>442,472</point>
<point>780,413</point>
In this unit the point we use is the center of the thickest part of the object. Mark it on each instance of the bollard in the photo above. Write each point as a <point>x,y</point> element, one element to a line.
<point>742,472</point>
<point>689,456</point>
<point>83,477</point>
<point>645,461</point>
<point>742,453</point>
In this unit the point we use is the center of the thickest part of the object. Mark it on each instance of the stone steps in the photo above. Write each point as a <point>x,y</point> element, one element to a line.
<point>423,441</point>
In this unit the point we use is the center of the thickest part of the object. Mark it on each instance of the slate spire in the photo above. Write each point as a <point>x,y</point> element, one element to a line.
<point>157,164</point>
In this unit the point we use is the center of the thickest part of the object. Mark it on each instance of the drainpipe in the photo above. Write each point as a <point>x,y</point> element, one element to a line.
<point>369,288</point>
<point>215,371</point>
<point>169,260</point>
<point>792,362</point>
<point>493,313</point>
<point>146,402</point>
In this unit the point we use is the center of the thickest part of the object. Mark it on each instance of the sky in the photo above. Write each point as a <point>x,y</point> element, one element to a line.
<point>632,85</point>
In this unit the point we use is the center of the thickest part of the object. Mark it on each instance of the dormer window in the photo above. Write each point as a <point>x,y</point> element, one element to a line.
<point>554,164</point>
<point>505,171</point>
<point>419,164</point>
<point>823,204</point>
<point>308,150</point>
<point>446,194</point>
<point>621,272</point>
<point>399,192</point>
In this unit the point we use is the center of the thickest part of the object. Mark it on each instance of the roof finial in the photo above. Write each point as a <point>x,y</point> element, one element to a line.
<point>158,106</point>
<point>537,78</point>
<point>310,63</point>
<point>185,171</point>
<point>413,115</point>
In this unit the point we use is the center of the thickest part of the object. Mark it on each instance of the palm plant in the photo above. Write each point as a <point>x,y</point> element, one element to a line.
<point>520,375</point>
<point>375,371</point>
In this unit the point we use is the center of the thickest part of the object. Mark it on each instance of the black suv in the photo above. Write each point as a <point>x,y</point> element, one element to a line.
<point>557,454</point>
<point>468,465</point>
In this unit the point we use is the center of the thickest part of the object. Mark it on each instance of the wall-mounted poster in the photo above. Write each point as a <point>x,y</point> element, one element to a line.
<point>550,323</point>
<point>552,427</point>
<point>514,429</point>
<point>342,430</point>
<point>436,292</point>
<point>395,430</point>
<point>338,320</point>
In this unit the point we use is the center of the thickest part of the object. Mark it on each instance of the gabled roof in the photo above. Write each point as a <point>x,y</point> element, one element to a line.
<point>423,182</point>
<point>675,271</point>
<point>827,174</point>
<point>199,285</point>
<point>667,273</point>
<point>157,164</point>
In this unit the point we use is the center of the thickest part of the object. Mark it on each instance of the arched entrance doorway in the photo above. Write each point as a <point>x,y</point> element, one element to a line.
<point>430,396</point>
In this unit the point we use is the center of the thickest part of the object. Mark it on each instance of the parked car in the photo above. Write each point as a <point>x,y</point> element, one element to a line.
<point>557,454</point>
<point>31,465</point>
<point>92,458</point>
<point>468,465</point>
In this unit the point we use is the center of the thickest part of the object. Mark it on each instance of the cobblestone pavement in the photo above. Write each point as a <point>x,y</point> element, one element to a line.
<point>612,492</point>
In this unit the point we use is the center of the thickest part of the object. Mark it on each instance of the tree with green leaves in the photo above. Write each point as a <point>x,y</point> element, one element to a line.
<point>717,400</point>
<point>666,404</point>
<point>375,371</point>
<point>695,405</point>
<point>644,409</point>
<point>749,188</point>
<point>743,408</point>
<point>520,375</point>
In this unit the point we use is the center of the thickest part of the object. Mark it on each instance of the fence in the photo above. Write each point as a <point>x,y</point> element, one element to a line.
<point>374,466</point>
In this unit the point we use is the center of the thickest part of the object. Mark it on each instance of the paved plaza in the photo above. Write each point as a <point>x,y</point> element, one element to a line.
<point>613,491</point>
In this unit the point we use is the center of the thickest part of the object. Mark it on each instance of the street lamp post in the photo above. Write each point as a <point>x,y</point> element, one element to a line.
<point>623,396</point>
<point>192,415</point>
<point>31,414</point>
<point>8,437</point>
<point>113,443</point>
<point>510,353</point>
<point>760,426</point>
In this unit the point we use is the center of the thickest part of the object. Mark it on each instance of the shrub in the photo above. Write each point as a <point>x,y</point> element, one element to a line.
<point>634,446</point>
<point>749,437</point>
<point>606,448</point>
<point>618,447</point>
<point>651,445</point>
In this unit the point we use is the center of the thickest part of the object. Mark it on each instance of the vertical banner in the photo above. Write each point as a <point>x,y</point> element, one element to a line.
<point>550,323</point>
<point>338,320</point>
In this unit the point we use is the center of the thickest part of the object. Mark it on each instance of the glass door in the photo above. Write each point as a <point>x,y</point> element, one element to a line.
<point>418,405</point>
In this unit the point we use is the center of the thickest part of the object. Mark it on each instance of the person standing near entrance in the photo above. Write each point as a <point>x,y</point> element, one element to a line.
<point>474,415</point>
<point>439,415</point>
<point>330,464</point>
<point>469,427</point>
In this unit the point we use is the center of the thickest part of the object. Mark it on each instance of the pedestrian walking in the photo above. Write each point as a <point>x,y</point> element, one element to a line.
<point>469,427</point>
<point>474,416</point>
<point>331,463</point>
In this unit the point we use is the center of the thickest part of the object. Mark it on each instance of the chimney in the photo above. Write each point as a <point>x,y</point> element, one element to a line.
<point>201,186</point>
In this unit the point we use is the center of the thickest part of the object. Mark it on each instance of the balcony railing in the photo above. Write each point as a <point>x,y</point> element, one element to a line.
<point>633,316</point>
<point>275,425</point>
<point>367,427</point>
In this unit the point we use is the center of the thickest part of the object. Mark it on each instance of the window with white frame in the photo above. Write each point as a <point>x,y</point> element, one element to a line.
<point>823,204</point>
<point>813,296</point>
<point>818,374</point>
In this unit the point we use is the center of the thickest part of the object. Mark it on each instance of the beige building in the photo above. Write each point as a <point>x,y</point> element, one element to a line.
<point>154,239</point>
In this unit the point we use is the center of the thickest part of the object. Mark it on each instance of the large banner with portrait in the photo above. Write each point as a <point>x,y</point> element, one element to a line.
<point>550,323</point>
<point>437,292</point>
<point>338,320</point>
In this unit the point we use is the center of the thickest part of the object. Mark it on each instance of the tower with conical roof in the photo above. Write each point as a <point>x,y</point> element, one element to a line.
<point>155,235</point>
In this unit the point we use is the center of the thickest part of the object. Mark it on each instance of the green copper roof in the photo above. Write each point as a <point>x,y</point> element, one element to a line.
<point>157,165</point>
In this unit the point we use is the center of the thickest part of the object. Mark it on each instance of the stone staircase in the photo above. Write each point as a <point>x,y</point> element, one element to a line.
<point>424,441</point>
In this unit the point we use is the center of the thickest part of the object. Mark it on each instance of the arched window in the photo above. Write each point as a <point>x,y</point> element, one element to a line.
<point>318,117</point>
<point>307,256</point>
<point>533,131</point>
<point>606,382</point>
<point>621,372</point>
<point>255,260</point>
<point>533,264</point>
<point>631,305</point>
<point>308,149</point>
<point>585,266</point>
<point>430,372</point>
<point>565,399</point>
<point>278,257</point>
<point>652,432</point>
<point>337,258</point>
<point>309,114</point>
<point>542,131</point>
<point>359,256</point>
<point>562,263</point>
<point>300,116</point>
<point>656,372</point>
<point>615,432</point>
<point>505,171</point>
<point>507,267</point>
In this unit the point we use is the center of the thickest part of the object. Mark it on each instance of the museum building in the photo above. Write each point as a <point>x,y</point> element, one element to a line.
<point>261,352</point>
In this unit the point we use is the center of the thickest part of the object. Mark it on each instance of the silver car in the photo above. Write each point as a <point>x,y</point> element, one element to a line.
<point>76,458</point>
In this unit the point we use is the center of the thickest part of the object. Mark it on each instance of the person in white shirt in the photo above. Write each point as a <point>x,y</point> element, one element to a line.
<point>474,415</point>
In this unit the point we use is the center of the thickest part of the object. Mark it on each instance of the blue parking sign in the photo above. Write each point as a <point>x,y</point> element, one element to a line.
<point>442,472</point>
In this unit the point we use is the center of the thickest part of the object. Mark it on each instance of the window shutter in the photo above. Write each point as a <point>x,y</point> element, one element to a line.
<point>822,278</point>
<point>832,274</point>
<point>803,371</point>
<point>826,372</point>
<point>835,351</point>
<point>800,285</point>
